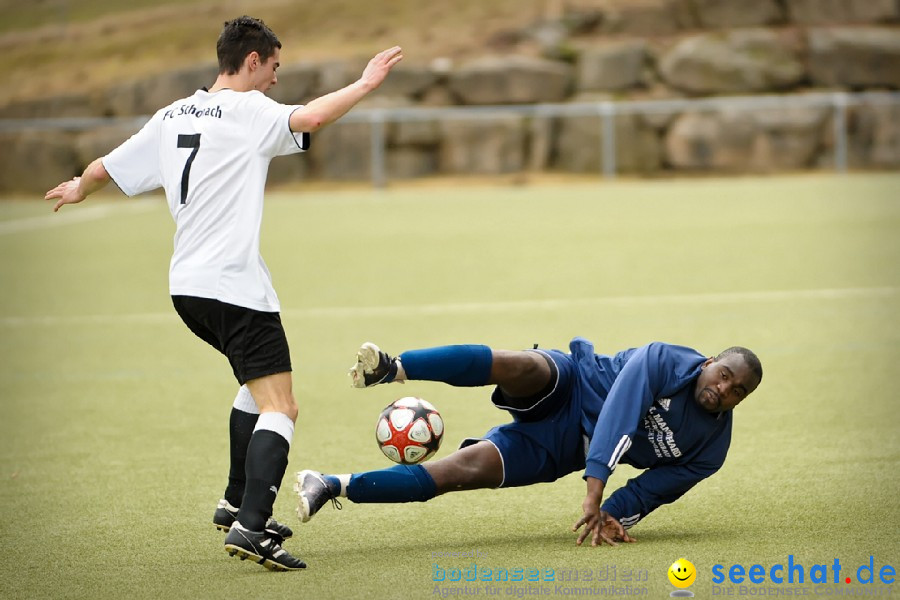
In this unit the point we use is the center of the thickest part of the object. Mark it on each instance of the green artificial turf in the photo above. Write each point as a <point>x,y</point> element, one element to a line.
<point>113,436</point>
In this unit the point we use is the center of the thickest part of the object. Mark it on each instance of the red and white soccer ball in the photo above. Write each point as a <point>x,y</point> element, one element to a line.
<point>409,430</point>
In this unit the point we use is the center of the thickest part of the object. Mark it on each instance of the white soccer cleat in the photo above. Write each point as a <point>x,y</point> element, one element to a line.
<point>372,367</point>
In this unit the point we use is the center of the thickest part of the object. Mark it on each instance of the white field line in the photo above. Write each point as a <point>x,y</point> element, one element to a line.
<point>418,310</point>
<point>69,215</point>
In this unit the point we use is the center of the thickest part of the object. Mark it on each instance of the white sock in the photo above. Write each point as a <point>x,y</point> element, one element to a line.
<point>244,401</point>
<point>345,481</point>
<point>278,422</point>
<point>400,377</point>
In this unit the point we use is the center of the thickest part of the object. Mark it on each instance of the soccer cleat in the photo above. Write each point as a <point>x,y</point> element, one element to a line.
<point>226,514</point>
<point>259,547</point>
<point>372,367</point>
<point>314,492</point>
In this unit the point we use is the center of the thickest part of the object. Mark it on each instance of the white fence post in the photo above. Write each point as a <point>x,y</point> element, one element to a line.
<point>839,102</point>
<point>379,150</point>
<point>608,156</point>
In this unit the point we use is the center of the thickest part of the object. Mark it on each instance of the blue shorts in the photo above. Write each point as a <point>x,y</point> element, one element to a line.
<point>543,450</point>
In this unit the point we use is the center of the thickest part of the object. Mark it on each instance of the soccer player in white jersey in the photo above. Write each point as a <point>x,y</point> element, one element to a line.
<point>210,152</point>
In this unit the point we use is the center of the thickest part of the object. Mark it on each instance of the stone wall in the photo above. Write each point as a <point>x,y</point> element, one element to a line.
<point>591,50</point>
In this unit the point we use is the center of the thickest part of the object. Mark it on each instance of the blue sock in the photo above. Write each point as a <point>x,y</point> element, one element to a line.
<point>463,365</point>
<point>397,484</point>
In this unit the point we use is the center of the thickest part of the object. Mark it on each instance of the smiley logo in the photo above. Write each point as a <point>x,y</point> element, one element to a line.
<point>682,573</point>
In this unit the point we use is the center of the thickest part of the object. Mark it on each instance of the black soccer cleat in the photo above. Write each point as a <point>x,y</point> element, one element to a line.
<point>314,492</point>
<point>259,547</point>
<point>226,515</point>
<point>372,367</point>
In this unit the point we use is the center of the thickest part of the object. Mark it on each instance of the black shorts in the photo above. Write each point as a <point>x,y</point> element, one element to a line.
<point>253,341</point>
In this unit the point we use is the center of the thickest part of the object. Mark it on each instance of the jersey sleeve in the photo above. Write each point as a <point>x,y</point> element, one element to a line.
<point>134,165</point>
<point>653,488</point>
<point>271,126</point>
<point>650,371</point>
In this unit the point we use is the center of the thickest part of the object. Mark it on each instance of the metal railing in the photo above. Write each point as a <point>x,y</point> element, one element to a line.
<point>605,111</point>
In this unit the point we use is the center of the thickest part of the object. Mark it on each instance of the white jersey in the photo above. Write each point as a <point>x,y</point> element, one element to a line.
<point>211,153</point>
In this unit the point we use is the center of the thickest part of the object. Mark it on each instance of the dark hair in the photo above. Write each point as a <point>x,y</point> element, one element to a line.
<point>239,38</point>
<point>749,357</point>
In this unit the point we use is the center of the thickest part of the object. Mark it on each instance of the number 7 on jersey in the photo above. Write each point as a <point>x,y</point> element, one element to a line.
<point>188,141</point>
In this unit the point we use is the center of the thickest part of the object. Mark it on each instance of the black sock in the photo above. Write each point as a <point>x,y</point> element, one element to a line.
<point>267,458</point>
<point>240,427</point>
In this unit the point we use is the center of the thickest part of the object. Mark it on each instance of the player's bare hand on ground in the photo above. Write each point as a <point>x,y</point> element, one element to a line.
<point>592,520</point>
<point>600,526</point>
<point>380,65</point>
<point>66,192</point>
<point>613,530</point>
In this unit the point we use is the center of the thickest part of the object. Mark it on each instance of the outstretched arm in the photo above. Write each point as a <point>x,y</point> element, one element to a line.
<point>330,107</point>
<point>657,486</point>
<point>77,189</point>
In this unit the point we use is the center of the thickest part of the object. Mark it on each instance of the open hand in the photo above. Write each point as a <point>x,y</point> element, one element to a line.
<point>380,66</point>
<point>602,527</point>
<point>67,192</point>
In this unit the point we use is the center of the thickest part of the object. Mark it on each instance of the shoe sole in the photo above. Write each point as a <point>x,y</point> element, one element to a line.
<point>302,503</point>
<point>366,360</point>
<point>243,554</point>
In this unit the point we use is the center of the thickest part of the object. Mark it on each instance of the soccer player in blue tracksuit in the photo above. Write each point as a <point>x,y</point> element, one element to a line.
<point>661,407</point>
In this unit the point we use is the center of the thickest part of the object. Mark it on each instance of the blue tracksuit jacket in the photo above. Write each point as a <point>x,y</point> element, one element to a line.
<point>638,407</point>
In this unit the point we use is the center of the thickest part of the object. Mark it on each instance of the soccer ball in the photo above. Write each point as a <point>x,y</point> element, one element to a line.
<point>409,430</point>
